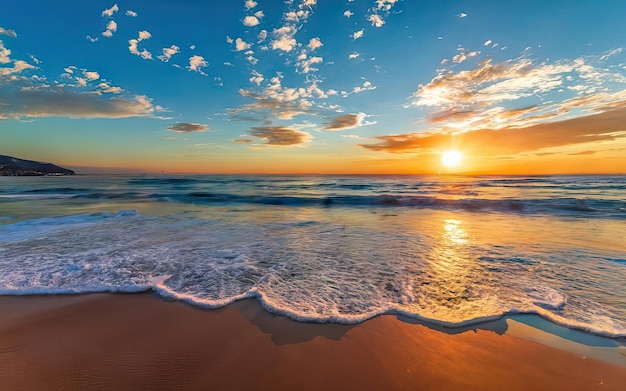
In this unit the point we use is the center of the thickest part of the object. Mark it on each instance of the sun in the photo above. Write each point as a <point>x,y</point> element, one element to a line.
<point>451,158</point>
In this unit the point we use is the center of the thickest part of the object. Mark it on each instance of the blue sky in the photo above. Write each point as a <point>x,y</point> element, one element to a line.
<point>314,86</point>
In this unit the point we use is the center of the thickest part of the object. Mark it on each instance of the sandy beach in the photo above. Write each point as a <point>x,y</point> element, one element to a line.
<point>139,341</point>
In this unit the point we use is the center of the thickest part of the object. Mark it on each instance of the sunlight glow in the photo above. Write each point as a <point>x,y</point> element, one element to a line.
<point>451,158</point>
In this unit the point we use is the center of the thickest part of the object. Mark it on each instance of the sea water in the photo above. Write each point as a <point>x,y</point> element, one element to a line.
<point>340,249</point>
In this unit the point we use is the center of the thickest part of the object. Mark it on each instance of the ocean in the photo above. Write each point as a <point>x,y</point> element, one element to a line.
<point>443,249</point>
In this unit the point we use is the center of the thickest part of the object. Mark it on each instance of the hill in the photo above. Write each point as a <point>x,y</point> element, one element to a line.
<point>12,166</point>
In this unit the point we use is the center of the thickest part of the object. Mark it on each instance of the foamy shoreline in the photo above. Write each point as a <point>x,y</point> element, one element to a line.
<point>126,341</point>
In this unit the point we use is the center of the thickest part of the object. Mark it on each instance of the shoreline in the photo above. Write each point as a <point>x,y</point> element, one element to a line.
<point>140,340</point>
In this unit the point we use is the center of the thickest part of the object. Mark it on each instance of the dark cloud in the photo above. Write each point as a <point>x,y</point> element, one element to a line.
<point>345,121</point>
<point>188,127</point>
<point>597,127</point>
<point>38,102</point>
<point>242,140</point>
<point>278,135</point>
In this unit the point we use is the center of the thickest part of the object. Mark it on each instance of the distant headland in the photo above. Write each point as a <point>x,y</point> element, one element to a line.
<point>12,166</point>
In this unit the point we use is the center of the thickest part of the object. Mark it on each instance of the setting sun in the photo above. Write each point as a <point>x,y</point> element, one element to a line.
<point>451,158</point>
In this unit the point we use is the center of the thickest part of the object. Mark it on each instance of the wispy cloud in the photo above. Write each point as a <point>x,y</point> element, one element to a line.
<point>7,32</point>
<point>110,11</point>
<point>59,102</point>
<point>376,20</point>
<point>346,121</point>
<point>130,13</point>
<point>606,126</point>
<point>188,127</point>
<point>348,13</point>
<point>280,136</point>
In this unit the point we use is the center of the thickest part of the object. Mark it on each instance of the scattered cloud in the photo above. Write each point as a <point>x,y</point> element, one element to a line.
<point>358,34</point>
<point>242,140</point>
<point>305,64</point>
<point>168,53</point>
<point>462,15</point>
<point>250,21</point>
<point>353,55</point>
<point>8,32</point>
<point>280,136</point>
<point>92,39</point>
<point>196,63</point>
<point>346,121</point>
<point>385,5</point>
<point>188,127</point>
<point>487,42</point>
<point>256,78</point>
<point>348,13</point>
<point>132,45</point>
<point>110,29</point>
<point>110,11</point>
<point>284,38</point>
<point>130,13</point>
<point>241,45</point>
<point>376,20</point>
<point>91,75</point>
<point>262,35</point>
<point>314,43</point>
<point>464,55</point>
<point>367,86</point>
<point>249,4</point>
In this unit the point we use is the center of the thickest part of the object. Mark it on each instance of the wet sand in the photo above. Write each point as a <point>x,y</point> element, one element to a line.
<point>140,341</point>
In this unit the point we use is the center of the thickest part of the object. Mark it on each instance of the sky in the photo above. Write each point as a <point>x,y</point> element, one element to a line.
<point>315,86</point>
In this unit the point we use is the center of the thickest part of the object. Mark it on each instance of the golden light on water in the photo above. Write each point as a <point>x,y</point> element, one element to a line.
<point>451,158</point>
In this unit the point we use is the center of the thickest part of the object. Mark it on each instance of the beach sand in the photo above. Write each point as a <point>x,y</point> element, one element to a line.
<point>140,341</point>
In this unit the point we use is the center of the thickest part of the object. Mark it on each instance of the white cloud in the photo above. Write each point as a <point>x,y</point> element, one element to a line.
<point>487,42</point>
<point>110,11</point>
<point>348,13</point>
<point>314,43</point>
<point>385,5</point>
<point>110,29</point>
<point>284,40</point>
<point>376,20</point>
<point>462,15</point>
<point>91,75</point>
<point>168,53</point>
<point>249,4</point>
<point>262,35</point>
<point>353,55</point>
<point>18,66</point>
<point>106,88</point>
<point>229,39</point>
<point>297,16</point>
<point>358,34</point>
<point>306,64</point>
<point>92,39</point>
<point>241,45</point>
<point>130,13</point>
<point>256,78</point>
<point>132,46</point>
<point>250,21</point>
<point>367,86</point>
<point>8,32</point>
<point>4,54</point>
<point>259,14</point>
<point>144,35</point>
<point>196,63</point>
<point>459,58</point>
